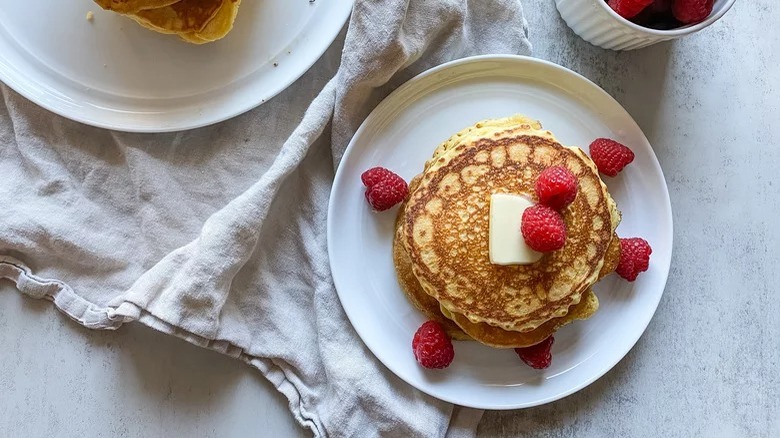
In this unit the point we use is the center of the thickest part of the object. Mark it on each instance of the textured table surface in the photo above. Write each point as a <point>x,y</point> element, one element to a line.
<point>708,365</point>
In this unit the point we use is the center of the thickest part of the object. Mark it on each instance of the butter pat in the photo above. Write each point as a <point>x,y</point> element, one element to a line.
<point>507,246</point>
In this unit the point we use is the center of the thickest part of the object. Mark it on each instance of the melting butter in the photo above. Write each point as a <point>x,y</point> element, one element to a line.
<point>507,246</point>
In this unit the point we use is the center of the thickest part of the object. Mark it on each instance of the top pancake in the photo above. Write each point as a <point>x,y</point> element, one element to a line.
<point>446,227</point>
<point>194,21</point>
<point>180,17</point>
<point>129,6</point>
<point>218,27</point>
<point>480,129</point>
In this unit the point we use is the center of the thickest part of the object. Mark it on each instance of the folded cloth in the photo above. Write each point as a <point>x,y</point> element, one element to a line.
<point>217,235</point>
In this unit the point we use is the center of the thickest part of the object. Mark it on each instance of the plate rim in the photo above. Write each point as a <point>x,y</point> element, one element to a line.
<point>389,100</point>
<point>14,79</point>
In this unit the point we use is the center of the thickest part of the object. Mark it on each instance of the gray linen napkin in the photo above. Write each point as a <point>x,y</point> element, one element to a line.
<point>217,235</point>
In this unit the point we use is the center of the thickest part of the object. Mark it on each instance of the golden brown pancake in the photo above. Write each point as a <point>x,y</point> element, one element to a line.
<point>485,333</point>
<point>129,6</point>
<point>446,226</point>
<point>194,21</point>
<point>409,284</point>
<point>481,129</point>
<point>184,16</point>
<point>414,292</point>
<point>499,338</point>
<point>218,27</point>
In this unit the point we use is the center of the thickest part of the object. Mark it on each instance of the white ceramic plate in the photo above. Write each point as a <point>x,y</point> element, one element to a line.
<point>401,134</point>
<point>115,74</point>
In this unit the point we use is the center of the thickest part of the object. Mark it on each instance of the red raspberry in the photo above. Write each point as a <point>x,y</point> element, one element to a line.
<point>537,356</point>
<point>374,175</point>
<point>628,8</point>
<point>432,346</point>
<point>384,188</point>
<point>556,187</point>
<point>634,257</point>
<point>543,228</point>
<point>692,11</point>
<point>610,156</point>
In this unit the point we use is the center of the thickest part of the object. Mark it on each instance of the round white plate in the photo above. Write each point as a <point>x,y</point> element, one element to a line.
<point>401,134</point>
<point>113,73</point>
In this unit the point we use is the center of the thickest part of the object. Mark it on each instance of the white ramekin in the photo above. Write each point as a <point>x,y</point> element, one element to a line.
<point>598,24</point>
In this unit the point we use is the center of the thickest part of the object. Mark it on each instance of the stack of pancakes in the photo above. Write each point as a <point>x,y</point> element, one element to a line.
<point>441,253</point>
<point>194,21</point>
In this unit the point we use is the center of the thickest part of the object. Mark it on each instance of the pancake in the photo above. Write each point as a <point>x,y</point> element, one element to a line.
<point>484,333</point>
<point>446,226</point>
<point>130,6</point>
<point>499,338</point>
<point>480,129</point>
<point>218,27</point>
<point>194,21</point>
<point>411,287</point>
<point>185,16</point>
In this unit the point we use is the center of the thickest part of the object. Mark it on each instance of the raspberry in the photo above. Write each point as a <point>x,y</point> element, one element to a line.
<point>634,257</point>
<point>374,175</point>
<point>610,156</point>
<point>537,356</point>
<point>384,188</point>
<point>556,187</point>
<point>628,8</point>
<point>692,11</point>
<point>432,346</point>
<point>543,228</point>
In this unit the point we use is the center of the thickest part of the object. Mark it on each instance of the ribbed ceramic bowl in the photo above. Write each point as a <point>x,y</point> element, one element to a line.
<point>598,24</point>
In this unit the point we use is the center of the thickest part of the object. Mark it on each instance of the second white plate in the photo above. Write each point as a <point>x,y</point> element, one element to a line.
<point>401,134</point>
<point>111,72</point>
